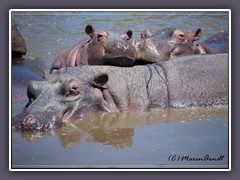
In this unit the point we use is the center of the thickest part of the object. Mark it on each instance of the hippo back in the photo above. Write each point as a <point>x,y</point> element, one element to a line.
<point>200,80</point>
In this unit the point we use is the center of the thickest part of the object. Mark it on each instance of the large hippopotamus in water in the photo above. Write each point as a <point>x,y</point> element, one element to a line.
<point>18,43</point>
<point>169,43</point>
<point>103,47</point>
<point>76,92</point>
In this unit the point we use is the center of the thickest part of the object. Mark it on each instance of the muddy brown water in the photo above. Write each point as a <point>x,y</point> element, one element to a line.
<point>158,138</point>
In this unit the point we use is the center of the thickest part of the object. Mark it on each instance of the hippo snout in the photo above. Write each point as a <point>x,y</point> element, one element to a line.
<point>30,119</point>
<point>26,122</point>
<point>30,123</point>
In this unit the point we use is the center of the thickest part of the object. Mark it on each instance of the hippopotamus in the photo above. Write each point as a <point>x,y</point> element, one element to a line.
<point>18,43</point>
<point>75,93</point>
<point>103,47</point>
<point>165,44</point>
<point>169,43</point>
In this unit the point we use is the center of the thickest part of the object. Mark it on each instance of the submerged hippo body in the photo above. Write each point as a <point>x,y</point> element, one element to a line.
<point>20,79</point>
<point>18,43</point>
<point>74,93</point>
<point>103,47</point>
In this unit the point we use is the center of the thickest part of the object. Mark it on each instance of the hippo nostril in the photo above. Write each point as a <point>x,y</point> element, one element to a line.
<point>30,119</point>
<point>99,36</point>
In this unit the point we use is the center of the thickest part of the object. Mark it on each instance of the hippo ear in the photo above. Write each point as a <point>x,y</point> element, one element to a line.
<point>129,33</point>
<point>196,34</point>
<point>89,29</point>
<point>100,80</point>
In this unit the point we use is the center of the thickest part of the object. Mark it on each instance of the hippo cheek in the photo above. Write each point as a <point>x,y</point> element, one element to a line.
<point>184,50</point>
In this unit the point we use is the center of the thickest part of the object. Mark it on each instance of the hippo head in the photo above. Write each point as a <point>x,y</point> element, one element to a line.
<point>112,47</point>
<point>103,47</point>
<point>63,97</point>
<point>18,43</point>
<point>160,45</point>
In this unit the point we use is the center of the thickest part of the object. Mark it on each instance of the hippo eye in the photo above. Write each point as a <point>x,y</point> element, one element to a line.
<point>70,89</point>
<point>74,90</point>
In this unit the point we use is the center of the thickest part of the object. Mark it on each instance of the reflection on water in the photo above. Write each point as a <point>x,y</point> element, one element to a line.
<point>117,129</point>
<point>129,140</point>
<point>22,73</point>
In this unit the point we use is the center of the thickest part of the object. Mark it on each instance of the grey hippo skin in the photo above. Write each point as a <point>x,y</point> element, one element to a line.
<point>169,43</point>
<point>216,44</point>
<point>18,43</point>
<point>103,47</point>
<point>76,92</point>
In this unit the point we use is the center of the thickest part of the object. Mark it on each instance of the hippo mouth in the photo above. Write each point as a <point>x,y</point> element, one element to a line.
<point>42,122</point>
<point>29,122</point>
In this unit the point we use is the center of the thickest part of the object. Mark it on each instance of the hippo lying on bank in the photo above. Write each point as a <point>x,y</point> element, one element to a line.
<point>169,43</point>
<point>104,47</point>
<point>18,43</point>
<point>76,92</point>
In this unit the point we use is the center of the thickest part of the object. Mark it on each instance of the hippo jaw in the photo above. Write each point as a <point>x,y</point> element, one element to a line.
<point>119,53</point>
<point>37,121</point>
<point>51,118</point>
<point>116,48</point>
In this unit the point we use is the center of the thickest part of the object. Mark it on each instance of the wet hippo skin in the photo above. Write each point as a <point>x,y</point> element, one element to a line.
<point>76,92</point>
